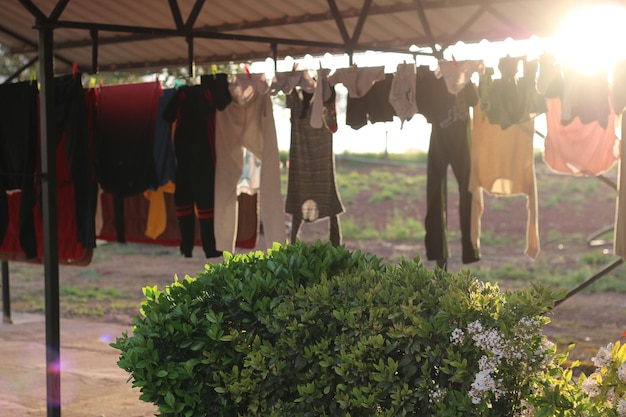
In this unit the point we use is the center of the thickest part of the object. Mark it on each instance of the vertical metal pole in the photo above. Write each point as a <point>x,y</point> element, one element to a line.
<point>94,51</point>
<point>190,57</point>
<point>50,226</point>
<point>6,294</point>
<point>274,47</point>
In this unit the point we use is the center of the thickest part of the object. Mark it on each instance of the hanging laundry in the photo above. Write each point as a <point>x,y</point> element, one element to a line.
<point>143,218</point>
<point>156,222</point>
<point>125,137</point>
<point>618,87</point>
<point>511,99</point>
<point>18,158</point>
<point>164,160</point>
<point>193,109</point>
<point>248,122</point>
<point>549,71</point>
<point>402,93</point>
<point>618,96</point>
<point>373,107</point>
<point>311,187</point>
<point>618,100</point>
<point>357,81</point>
<point>503,164</point>
<point>248,202</point>
<point>74,120</point>
<point>578,148</point>
<point>69,250</point>
<point>76,186</point>
<point>449,145</point>
<point>287,81</point>
<point>586,97</point>
<point>323,93</point>
<point>457,74</point>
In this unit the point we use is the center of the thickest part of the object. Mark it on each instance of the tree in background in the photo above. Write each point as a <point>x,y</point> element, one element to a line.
<point>10,64</point>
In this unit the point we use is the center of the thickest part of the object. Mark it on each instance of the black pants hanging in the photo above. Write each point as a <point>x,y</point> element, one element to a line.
<point>448,146</point>
<point>194,190</point>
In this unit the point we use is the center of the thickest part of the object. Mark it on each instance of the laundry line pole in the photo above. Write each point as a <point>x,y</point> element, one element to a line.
<point>6,294</point>
<point>49,217</point>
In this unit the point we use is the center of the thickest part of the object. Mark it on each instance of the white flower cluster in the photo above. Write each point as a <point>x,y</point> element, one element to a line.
<point>457,337</point>
<point>602,384</point>
<point>488,363</point>
<point>528,410</point>
<point>483,383</point>
<point>491,341</point>
<point>435,395</point>
<point>527,327</point>
<point>621,408</point>
<point>604,356</point>
<point>591,387</point>
<point>621,372</point>
<point>499,350</point>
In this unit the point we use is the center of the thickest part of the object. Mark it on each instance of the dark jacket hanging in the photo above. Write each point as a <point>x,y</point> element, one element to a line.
<point>18,157</point>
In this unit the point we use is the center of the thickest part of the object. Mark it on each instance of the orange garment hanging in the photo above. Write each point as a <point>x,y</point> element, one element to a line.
<point>503,165</point>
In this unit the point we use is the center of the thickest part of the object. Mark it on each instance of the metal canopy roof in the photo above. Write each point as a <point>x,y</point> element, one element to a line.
<point>111,35</point>
<point>105,35</point>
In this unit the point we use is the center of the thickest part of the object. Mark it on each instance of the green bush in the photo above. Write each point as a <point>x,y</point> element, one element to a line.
<point>314,330</point>
<point>194,337</point>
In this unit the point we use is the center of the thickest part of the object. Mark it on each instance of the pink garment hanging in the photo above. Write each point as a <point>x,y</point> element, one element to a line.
<point>577,148</point>
<point>458,73</point>
<point>358,81</point>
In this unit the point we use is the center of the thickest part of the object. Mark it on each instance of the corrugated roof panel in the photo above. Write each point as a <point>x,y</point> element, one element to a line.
<point>390,25</point>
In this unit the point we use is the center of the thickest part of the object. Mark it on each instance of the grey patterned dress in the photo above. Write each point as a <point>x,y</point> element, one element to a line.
<point>311,187</point>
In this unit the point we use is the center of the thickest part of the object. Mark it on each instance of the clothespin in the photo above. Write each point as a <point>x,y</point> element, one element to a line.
<point>247,70</point>
<point>214,70</point>
<point>295,67</point>
<point>74,70</point>
<point>454,61</point>
<point>92,82</point>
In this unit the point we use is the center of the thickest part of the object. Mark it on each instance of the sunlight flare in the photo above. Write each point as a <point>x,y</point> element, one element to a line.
<point>591,38</point>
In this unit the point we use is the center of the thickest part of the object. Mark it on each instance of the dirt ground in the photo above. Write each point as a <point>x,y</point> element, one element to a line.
<point>93,385</point>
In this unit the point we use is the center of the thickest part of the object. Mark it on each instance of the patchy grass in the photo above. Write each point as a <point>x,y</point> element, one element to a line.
<point>402,227</point>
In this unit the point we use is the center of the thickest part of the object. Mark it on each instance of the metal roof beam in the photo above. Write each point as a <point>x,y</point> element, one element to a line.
<point>193,16</point>
<point>176,15</point>
<point>469,22</point>
<point>58,10</point>
<point>374,9</point>
<point>424,21</point>
<point>359,24</point>
<point>206,60</point>
<point>161,32</point>
<point>509,22</point>
<point>336,14</point>
<point>34,10</point>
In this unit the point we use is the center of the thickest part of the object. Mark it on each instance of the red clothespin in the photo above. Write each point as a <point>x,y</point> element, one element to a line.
<point>247,70</point>
<point>74,70</point>
<point>454,61</point>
